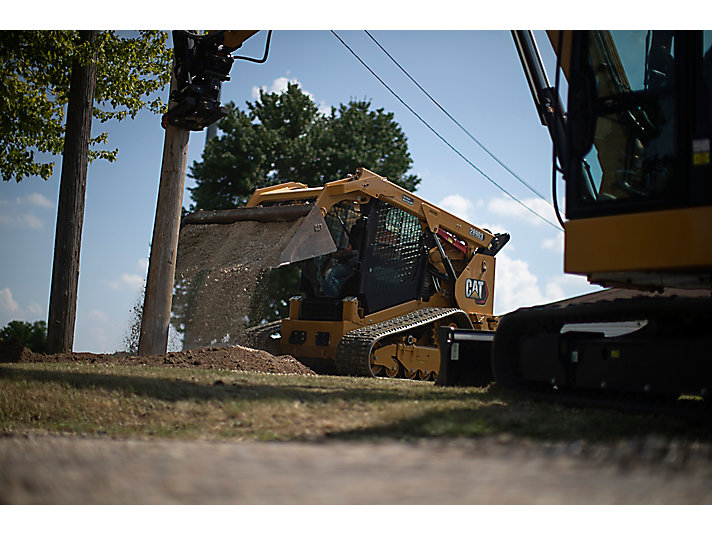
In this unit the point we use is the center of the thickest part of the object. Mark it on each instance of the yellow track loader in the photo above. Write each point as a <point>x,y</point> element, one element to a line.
<point>381,270</point>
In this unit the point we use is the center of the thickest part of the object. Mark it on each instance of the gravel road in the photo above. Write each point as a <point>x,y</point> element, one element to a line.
<point>39,469</point>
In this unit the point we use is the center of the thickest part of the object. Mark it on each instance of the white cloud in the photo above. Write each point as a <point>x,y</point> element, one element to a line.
<point>12,310</point>
<point>470,211</point>
<point>35,309</point>
<point>22,220</point>
<point>515,285</point>
<point>458,205</point>
<point>132,282</point>
<point>37,199</point>
<point>279,85</point>
<point>506,207</point>
<point>554,244</point>
<point>142,264</point>
<point>98,315</point>
<point>7,302</point>
<point>14,216</point>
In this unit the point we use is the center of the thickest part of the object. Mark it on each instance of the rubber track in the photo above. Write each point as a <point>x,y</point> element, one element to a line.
<point>264,329</point>
<point>353,353</point>
<point>259,337</point>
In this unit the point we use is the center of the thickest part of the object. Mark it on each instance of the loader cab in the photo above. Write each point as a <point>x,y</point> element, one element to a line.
<point>638,174</point>
<point>380,260</point>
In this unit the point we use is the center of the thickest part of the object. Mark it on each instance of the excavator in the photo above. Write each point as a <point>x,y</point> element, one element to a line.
<point>634,150</point>
<point>633,145</point>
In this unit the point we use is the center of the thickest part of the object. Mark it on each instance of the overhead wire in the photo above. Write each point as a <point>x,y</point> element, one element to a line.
<point>453,119</point>
<point>439,136</point>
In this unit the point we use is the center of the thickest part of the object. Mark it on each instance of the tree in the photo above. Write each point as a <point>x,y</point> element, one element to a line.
<point>86,71</point>
<point>30,335</point>
<point>35,67</point>
<point>283,137</point>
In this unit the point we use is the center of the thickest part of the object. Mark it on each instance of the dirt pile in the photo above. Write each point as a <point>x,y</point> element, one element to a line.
<point>235,358</point>
<point>217,271</point>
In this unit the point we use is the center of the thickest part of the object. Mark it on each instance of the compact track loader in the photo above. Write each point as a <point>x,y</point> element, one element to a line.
<point>381,270</point>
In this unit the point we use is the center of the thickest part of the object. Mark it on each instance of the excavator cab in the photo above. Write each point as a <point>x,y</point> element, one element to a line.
<point>638,174</point>
<point>634,148</point>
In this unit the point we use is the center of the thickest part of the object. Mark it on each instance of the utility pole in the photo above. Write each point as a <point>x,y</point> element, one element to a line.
<point>156,316</point>
<point>70,209</point>
<point>200,64</point>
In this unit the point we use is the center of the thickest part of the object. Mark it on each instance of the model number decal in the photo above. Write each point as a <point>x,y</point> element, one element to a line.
<point>477,234</point>
<point>408,200</point>
<point>476,290</point>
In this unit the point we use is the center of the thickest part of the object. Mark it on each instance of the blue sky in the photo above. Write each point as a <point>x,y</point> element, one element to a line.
<point>475,75</point>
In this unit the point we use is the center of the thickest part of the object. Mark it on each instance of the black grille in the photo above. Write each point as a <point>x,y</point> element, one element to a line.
<point>393,270</point>
<point>321,309</point>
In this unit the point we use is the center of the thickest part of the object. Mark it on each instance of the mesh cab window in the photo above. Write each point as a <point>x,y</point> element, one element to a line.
<point>396,260</point>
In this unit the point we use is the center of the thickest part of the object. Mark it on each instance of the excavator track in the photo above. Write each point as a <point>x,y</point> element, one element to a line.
<point>667,357</point>
<point>353,353</point>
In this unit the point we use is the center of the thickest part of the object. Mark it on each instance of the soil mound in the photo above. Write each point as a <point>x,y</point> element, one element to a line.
<point>234,358</point>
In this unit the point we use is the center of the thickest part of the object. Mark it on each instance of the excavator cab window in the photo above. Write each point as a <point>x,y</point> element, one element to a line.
<point>630,97</point>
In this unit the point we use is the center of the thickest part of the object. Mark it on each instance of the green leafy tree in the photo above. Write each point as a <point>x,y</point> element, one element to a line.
<point>35,68</point>
<point>282,137</point>
<point>84,75</point>
<point>30,335</point>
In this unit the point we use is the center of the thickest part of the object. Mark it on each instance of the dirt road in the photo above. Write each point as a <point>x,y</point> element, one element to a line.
<point>80,470</point>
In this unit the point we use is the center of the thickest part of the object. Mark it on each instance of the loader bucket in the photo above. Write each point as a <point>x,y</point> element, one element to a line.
<point>311,239</point>
<point>223,258</point>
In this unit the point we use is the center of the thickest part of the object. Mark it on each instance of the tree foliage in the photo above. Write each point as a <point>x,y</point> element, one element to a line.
<point>282,137</point>
<point>30,335</point>
<point>35,68</point>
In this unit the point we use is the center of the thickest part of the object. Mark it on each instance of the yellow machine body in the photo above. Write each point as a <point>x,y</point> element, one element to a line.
<point>467,273</point>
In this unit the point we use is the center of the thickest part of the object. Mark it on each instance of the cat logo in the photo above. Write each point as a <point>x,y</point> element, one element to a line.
<point>476,290</point>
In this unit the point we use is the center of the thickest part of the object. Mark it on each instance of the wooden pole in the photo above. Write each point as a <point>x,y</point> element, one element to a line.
<point>70,209</point>
<point>156,316</point>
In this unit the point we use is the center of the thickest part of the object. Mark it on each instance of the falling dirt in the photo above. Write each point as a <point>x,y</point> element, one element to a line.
<point>218,269</point>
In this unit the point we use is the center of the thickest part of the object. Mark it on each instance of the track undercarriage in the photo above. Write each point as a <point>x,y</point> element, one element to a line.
<point>615,342</point>
<point>403,347</point>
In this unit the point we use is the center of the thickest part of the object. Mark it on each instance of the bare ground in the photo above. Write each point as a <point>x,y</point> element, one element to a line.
<point>82,470</point>
<point>59,469</point>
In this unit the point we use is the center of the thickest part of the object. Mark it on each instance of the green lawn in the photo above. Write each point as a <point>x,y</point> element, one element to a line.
<point>98,399</point>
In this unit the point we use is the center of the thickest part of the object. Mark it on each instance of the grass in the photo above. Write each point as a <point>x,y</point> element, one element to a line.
<point>127,401</point>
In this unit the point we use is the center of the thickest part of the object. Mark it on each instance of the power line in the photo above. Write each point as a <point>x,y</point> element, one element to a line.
<point>483,147</point>
<point>442,138</point>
